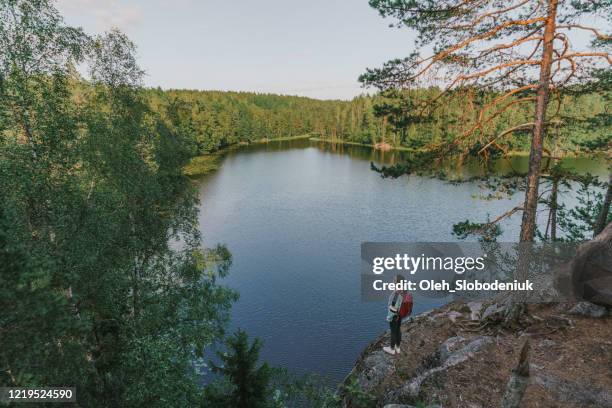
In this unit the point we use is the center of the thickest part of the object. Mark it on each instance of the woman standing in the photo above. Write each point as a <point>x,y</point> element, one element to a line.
<point>393,317</point>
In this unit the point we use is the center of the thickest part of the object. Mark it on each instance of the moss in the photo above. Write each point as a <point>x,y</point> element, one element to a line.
<point>201,165</point>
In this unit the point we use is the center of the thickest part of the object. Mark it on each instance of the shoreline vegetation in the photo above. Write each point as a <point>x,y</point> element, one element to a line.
<point>202,165</point>
<point>207,163</point>
<point>376,146</point>
<point>388,147</point>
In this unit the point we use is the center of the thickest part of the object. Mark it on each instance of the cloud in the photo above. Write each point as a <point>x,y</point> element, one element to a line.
<point>106,14</point>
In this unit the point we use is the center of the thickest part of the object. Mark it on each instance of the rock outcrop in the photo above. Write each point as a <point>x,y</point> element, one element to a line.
<point>588,309</point>
<point>460,356</point>
<point>450,360</point>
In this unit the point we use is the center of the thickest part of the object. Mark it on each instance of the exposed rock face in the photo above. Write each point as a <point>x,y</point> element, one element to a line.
<point>575,393</point>
<point>475,309</point>
<point>449,360</point>
<point>459,356</point>
<point>453,351</point>
<point>458,349</point>
<point>494,312</point>
<point>515,389</point>
<point>377,366</point>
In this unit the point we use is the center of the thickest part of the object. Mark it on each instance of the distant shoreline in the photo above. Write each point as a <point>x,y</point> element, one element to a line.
<point>345,142</point>
<point>209,162</point>
<point>512,153</point>
<point>281,139</point>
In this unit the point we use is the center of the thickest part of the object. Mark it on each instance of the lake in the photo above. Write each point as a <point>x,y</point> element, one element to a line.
<point>294,213</point>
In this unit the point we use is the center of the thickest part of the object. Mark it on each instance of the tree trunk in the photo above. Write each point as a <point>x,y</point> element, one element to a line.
<point>539,129</point>
<point>553,209</point>
<point>528,223</point>
<point>384,129</point>
<point>605,210</point>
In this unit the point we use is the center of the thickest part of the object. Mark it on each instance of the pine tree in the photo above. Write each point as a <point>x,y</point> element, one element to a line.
<point>249,383</point>
<point>520,51</point>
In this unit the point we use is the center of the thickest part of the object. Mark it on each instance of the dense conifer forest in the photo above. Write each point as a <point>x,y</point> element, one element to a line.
<point>212,120</point>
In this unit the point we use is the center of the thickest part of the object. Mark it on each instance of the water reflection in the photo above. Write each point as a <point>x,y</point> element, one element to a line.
<point>452,166</point>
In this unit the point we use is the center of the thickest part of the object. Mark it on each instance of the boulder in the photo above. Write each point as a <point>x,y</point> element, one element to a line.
<point>449,346</point>
<point>456,350</point>
<point>494,312</point>
<point>598,290</point>
<point>376,367</point>
<point>475,308</point>
<point>588,309</point>
<point>453,315</point>
<point>570,392</point>
<point>547,344</point>
<point>591,269</point>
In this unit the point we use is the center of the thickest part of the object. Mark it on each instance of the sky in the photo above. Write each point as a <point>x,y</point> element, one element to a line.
<point>314,48</point>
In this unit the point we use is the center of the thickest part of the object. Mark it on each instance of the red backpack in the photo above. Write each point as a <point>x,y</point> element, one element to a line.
<point>406,307</point>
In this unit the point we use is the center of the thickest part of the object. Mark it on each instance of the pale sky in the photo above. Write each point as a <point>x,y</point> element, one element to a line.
<point>314,48</point>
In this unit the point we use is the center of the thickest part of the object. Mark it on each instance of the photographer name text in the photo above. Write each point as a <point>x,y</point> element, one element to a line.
<point>455,286</point>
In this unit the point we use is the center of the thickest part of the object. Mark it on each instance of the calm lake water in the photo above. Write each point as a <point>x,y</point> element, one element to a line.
<point>293,214</point>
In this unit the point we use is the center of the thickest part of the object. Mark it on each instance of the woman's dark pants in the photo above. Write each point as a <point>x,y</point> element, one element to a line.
<point>396,333</point>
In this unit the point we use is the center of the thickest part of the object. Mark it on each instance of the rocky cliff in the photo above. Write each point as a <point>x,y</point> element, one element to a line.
<point>459,356</point>
<point>462,355</point>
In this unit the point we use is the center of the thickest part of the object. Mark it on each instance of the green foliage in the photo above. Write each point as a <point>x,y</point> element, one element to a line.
<point>486,231</point>
<point>311,390</point>
<point>243,383</point>
<point>577,223</point>
<point>92,193</point>
<point>201,165</point>
<point>572,223</point>
<point>212,120</point>
<point>317,395</point>
<point>358,396</point>
<point>486,101</point>
<point>483,101</point>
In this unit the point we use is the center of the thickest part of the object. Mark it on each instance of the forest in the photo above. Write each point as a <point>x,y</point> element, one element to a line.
<point>212,120</point>
<point>94,294</point>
